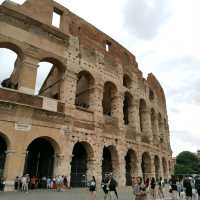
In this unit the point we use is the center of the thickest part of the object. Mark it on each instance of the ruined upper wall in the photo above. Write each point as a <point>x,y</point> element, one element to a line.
<point>89,36</point>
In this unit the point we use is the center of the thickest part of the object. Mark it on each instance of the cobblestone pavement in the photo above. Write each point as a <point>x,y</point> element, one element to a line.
<point>73,194</point>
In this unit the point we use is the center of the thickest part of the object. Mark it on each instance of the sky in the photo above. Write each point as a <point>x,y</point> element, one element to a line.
<point>164,37</point>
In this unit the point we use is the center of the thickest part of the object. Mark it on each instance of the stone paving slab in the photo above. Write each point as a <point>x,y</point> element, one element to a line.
<point>73,194</point>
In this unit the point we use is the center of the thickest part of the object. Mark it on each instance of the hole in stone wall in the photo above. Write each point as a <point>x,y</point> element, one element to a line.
<point>107,46</point>
<point>56,19</point>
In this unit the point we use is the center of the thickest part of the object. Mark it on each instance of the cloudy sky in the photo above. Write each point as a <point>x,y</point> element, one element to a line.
<point>164,37</point>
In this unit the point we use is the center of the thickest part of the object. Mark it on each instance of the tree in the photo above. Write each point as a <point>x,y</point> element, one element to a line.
<point>187,163</point>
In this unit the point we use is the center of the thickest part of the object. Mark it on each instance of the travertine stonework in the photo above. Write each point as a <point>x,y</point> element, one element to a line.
<point>95,95</point>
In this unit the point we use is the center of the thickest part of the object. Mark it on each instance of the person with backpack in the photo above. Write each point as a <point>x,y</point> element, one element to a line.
<point>113,195</point>
<point>92,188</point>
<point>152,188</point>
<point>197,186</point>
<point>105,186</point>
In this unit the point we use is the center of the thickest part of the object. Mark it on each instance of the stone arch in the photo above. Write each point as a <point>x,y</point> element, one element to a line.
<point>109,98</point>
<point>146,165</point>
<point>4,146</point>
<point>153,121</point>
<point>40,157</point>
<point>164,165</point>
<point>157,167</point>
<point>131,166</point>
<point>160,126</point>
<point>110,161</point>
<point>142,114</point>
<point>85,84</point>
<point>49,78</point>
<point>10,77</point>
<point>82,164</point>
<point>127,81</point>
<point>126,107</point>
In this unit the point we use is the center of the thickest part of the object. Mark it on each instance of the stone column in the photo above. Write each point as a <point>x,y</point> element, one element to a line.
<point>147,132</point>
<point>60,165</point>
<point>27,75</point>
<point>14,167</point>
<point>161,168</point>
<point>122,170</point>
<point>139,165</point>
<point>117,109</point>
<point>156,136</point>
<point>135,118</point>
<point>68,89</point>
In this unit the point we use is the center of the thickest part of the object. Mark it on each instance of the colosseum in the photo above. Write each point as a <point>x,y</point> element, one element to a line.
<point>95,113</point>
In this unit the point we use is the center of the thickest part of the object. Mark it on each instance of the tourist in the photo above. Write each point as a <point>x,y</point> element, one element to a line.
<point>105,186</point>
<point>197,186</point>
<point>48,183</point>
<point>188,188</point>
<point>160,189</point>
<point>112,193</point>
<point>139,189</point>
<point>152,188</point>
<point>134,184</point>
<point>25,183</point>
<point>173,189</point>
<point>92,188</point>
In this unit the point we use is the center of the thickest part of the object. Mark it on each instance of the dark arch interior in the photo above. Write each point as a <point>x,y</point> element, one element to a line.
<point>128,169</point>
<point>40,158</point>
<point>79,166</point>
<point>145,165</point>
<point>126,109</point>
<point>106,162</point>
<point>3,148</point>
<point>157,167</point>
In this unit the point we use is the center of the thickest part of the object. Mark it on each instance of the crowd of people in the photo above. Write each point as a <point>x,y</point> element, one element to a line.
<point>57,183</point>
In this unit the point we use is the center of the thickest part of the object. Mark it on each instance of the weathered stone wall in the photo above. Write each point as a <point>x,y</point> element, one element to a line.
<point>75,47</point>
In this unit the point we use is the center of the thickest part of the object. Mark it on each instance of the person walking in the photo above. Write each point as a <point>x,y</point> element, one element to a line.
<point>92,188</point>
<point>105,186</point>
<point>173,189</point>
<point>25,183</point>
<point>152,188</point>
<point>113,195</point>
<point>188,189</point>
<point>197,186</point>
<point>160,189</point>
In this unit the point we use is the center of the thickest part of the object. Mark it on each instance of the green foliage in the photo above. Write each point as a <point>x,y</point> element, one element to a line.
<point>187,163</point>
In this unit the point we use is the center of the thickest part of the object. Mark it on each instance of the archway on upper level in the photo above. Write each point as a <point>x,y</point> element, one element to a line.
<point>109,98</point>
<point>146,165</point>
<point>160,126</point>
<point>50,74</point>
<point>82,164</point>
<point>157,167</point>
<point>84,89</point>
<point>127,81</point>
<point>110,161</point>
<point>131,166</point>
<point>126,107</point>
<point>3,149</point>
<point>10,64</point>
<point>40,157</point>
<point>153,123</point>
<point>142,114</point>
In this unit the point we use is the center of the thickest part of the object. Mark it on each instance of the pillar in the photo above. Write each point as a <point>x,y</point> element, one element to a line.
<point>27,75</point>
<point>153,170</point>
<point>156,136</point>
<point>60,165</point>
<point>14,167</point>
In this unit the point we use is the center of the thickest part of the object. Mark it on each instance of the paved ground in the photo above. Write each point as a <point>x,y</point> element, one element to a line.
<point>73,194</point>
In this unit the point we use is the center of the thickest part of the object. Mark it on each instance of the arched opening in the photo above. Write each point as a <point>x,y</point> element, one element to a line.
<point>10,62</point>
<point>170,169</point>
<point>153,123</point>
<point>126,107</point>
<point>84,90</point>
<point>49,77</point>
<point>40,158</point>
<point>164,164</point>
<point>3,149</point>
<point>81,164</point>
<point>131,166</point>
<point>157,167</point>
<point>109,97</point>
<point>160,126</point>
<point>127,81</point>
<point>146,165</point>
<point>110,162</point>
<point>142,114</point>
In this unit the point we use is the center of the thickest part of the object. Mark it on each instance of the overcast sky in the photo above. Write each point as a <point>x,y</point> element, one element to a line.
<point>164,37</point>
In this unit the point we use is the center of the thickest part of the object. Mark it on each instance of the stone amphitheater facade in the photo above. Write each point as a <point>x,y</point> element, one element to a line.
<point>94,114</point>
